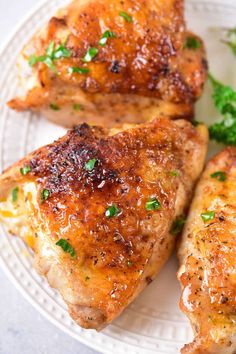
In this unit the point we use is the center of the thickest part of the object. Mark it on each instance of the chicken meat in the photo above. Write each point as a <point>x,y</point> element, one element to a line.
<point>208,259</point>
<point>97,208</point>
<point>112,62</point>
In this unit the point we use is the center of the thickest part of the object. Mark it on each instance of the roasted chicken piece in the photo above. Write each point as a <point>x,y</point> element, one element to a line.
<point>208,256</point>
<point>112,62</point>
<point>97,207</point>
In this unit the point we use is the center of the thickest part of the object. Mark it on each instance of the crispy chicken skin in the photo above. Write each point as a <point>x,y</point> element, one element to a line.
<point>207,254</point>
<point>143,72</point>
<point>116,256</point>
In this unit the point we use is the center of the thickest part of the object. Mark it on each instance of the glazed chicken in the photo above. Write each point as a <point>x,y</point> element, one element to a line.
<point>208,256</point>
<point>112,62</point>
<point>97,207</point>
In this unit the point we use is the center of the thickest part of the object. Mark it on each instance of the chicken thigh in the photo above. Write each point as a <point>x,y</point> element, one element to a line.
<point>208,256</point>
<point>112,62</point>
<point>97,207</point>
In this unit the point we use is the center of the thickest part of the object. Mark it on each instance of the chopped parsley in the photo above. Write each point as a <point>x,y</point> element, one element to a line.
<point>112,211</point>
<point>192,43</point>
<point>14,194</point>
<point>61,52</point>
<point>54,106</point>
<point>225,101</point>
<point>219,175</point>
<point>67,248</point>
<point>153,204</point>
<point>87,278</point>
<point>24,170</point>
<point>107,34</point>
<point>230,39</point>
<point>174,173</point>
<point>129,263</point>
<point>78,70</point>
<point>44,195</point>
<point>89,166</point>
<point>127,17</point>
<point>91,53</point>
<point>51,55</point>
<point>178,225</point>
<point>208,215</point>
<point>77,106</point>
<point>34,60</point>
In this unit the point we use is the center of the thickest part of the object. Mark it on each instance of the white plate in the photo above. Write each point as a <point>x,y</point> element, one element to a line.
<point>153,323</point>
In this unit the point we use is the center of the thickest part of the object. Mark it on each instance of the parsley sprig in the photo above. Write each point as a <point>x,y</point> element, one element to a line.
<point>91,53</point>
<point>107,34</point>
<point>153,204</point>
<point>89,166</point>
<point>14,194</point>
<point>230,39</point>
<point>52,54</point>
<point>208,216</point>
<point>219,175</point>
<point>225,101</point>
<point>67,248</point>
<point>111,211</point>
<point>25,170</point>
<point>78,70</point>
<point>192,43</point>
<point>45,194</point>
<point>126,16</point>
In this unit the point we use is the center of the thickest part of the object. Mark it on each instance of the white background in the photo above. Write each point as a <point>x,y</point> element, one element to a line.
<point>22,329</point>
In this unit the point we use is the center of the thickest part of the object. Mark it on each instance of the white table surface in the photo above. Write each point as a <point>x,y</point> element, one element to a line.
<point>22,329</point>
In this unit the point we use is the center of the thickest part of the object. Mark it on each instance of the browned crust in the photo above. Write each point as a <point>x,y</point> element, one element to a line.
<point>147,58</point>
<point>209,259</point>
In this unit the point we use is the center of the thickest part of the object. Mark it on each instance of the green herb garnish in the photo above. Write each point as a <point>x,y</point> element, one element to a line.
<point>34,60</point>
<point>129,263</point>
<point>51,55</point>
<point>89,166</point>
<point>54,106</point>
<point>77,106</point>
<point>153,204</point>
<point>112,211</point>
<point>44,195</point>
<point>208,215</point>
<point>230,39</point>
<point>174,173</point>
<point>91,53</point>
<point>24,170</point>
<point>60,52</point>
<point>87,278</point>
<point>225,101</point>
<point>14,194</point>
<point>64,244</point>
<point>177,226</point>
<point>219,175</point>
<point>50,49</point>
<point>78,70</point>
<point>105,36</point>
<point>192,43</point>
<point>127,17</point>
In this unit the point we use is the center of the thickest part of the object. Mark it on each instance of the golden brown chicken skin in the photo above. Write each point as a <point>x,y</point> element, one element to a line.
<point>97,207</point>
<point>208,256</point>
<point>147,64</point>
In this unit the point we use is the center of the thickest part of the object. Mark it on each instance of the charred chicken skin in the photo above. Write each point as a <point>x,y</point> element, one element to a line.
<point>109,63</point>
<point>207,254</point>
<point>97,208</point>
